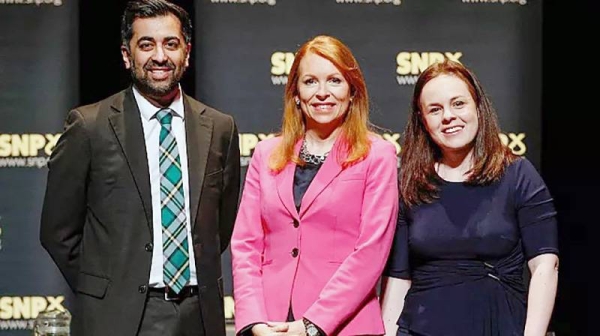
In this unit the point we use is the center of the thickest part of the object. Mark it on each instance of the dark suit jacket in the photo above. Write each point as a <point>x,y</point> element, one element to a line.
<point>97,216</point>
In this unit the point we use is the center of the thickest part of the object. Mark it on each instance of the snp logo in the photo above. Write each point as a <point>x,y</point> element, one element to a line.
<point>411,64</point>
<point>229,307</point>
<point>281,63</point>
<point>514,141</point>
<point>28,307</point>
<point>247,143</point>
<point>26,150</point>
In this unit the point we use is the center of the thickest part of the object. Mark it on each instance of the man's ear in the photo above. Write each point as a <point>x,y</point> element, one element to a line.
<point>188,49</point>
<point>125,56</point>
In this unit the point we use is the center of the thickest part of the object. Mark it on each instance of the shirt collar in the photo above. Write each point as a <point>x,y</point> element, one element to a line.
<point>148,111</point>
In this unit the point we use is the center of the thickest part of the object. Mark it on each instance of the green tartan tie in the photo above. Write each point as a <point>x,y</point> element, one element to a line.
<point>176,266</point>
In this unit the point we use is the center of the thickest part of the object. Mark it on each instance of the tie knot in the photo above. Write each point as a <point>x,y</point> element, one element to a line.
<point>165,116</point>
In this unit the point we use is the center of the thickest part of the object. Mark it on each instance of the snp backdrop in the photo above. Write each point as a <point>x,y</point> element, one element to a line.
<point>38,84</point>
<point>245,48</point>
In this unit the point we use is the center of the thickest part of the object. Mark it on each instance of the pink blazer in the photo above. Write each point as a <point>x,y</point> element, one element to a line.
<point>326,258</point>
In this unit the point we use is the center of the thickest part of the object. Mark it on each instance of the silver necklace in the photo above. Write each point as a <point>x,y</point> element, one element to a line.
<point>311,158</point>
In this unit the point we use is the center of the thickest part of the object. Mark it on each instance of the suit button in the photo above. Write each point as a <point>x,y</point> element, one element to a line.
<point>296,223</point>
<point>142,289</point>
<point>149,247</point>
<point>294,252</point>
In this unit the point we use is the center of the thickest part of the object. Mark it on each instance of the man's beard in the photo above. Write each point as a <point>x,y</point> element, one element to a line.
<point>148,87</point>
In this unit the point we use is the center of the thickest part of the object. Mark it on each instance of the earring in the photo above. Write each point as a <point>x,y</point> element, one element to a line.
<point>297,102</point>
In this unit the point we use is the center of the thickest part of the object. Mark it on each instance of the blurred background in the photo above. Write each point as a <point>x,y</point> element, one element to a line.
<point>533,57</point>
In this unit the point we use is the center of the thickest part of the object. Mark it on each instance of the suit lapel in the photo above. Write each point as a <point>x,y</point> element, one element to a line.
<point>126,123</point>
<point>328,171</point>
<point>285,184</point>
<point>198,132</point>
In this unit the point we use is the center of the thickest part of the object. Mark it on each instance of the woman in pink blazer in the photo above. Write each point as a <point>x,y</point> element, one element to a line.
<point>318,210</point>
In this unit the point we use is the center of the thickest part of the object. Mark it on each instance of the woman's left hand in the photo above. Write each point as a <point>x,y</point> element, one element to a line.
<point>296,328</point>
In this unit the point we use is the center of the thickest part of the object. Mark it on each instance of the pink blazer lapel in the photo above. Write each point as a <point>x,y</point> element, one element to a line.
<point>285,184</point>
<point>328,171</point>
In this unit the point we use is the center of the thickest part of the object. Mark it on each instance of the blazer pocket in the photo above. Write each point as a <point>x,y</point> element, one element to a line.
<point>220,171</point>
<point>353,177</point>
<point>92,285</point>
<point>214,179</point>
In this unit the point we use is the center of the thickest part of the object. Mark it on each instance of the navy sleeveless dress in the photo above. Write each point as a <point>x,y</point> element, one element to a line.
<point>466,255</point>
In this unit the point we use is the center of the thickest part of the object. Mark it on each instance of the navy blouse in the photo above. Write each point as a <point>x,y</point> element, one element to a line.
<point>303,176</point>
<point>465,254</point>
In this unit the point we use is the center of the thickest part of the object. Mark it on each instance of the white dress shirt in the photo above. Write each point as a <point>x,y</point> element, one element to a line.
<point>151,127</point>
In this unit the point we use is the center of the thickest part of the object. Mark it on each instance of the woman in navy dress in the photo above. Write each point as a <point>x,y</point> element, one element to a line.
<point>472,215</point>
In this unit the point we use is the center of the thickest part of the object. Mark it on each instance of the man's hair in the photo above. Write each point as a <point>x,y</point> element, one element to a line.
<point>136,9</point>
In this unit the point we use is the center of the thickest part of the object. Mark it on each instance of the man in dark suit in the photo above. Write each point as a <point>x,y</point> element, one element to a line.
<point>142,193</point>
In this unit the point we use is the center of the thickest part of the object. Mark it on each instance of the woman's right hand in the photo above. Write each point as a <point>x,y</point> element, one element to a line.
<point>269,329</point>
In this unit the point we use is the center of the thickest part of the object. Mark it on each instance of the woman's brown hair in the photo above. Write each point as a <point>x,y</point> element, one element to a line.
<point>418,179</point>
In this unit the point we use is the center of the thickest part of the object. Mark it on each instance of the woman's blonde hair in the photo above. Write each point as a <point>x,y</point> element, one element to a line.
<point>355,127</point>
